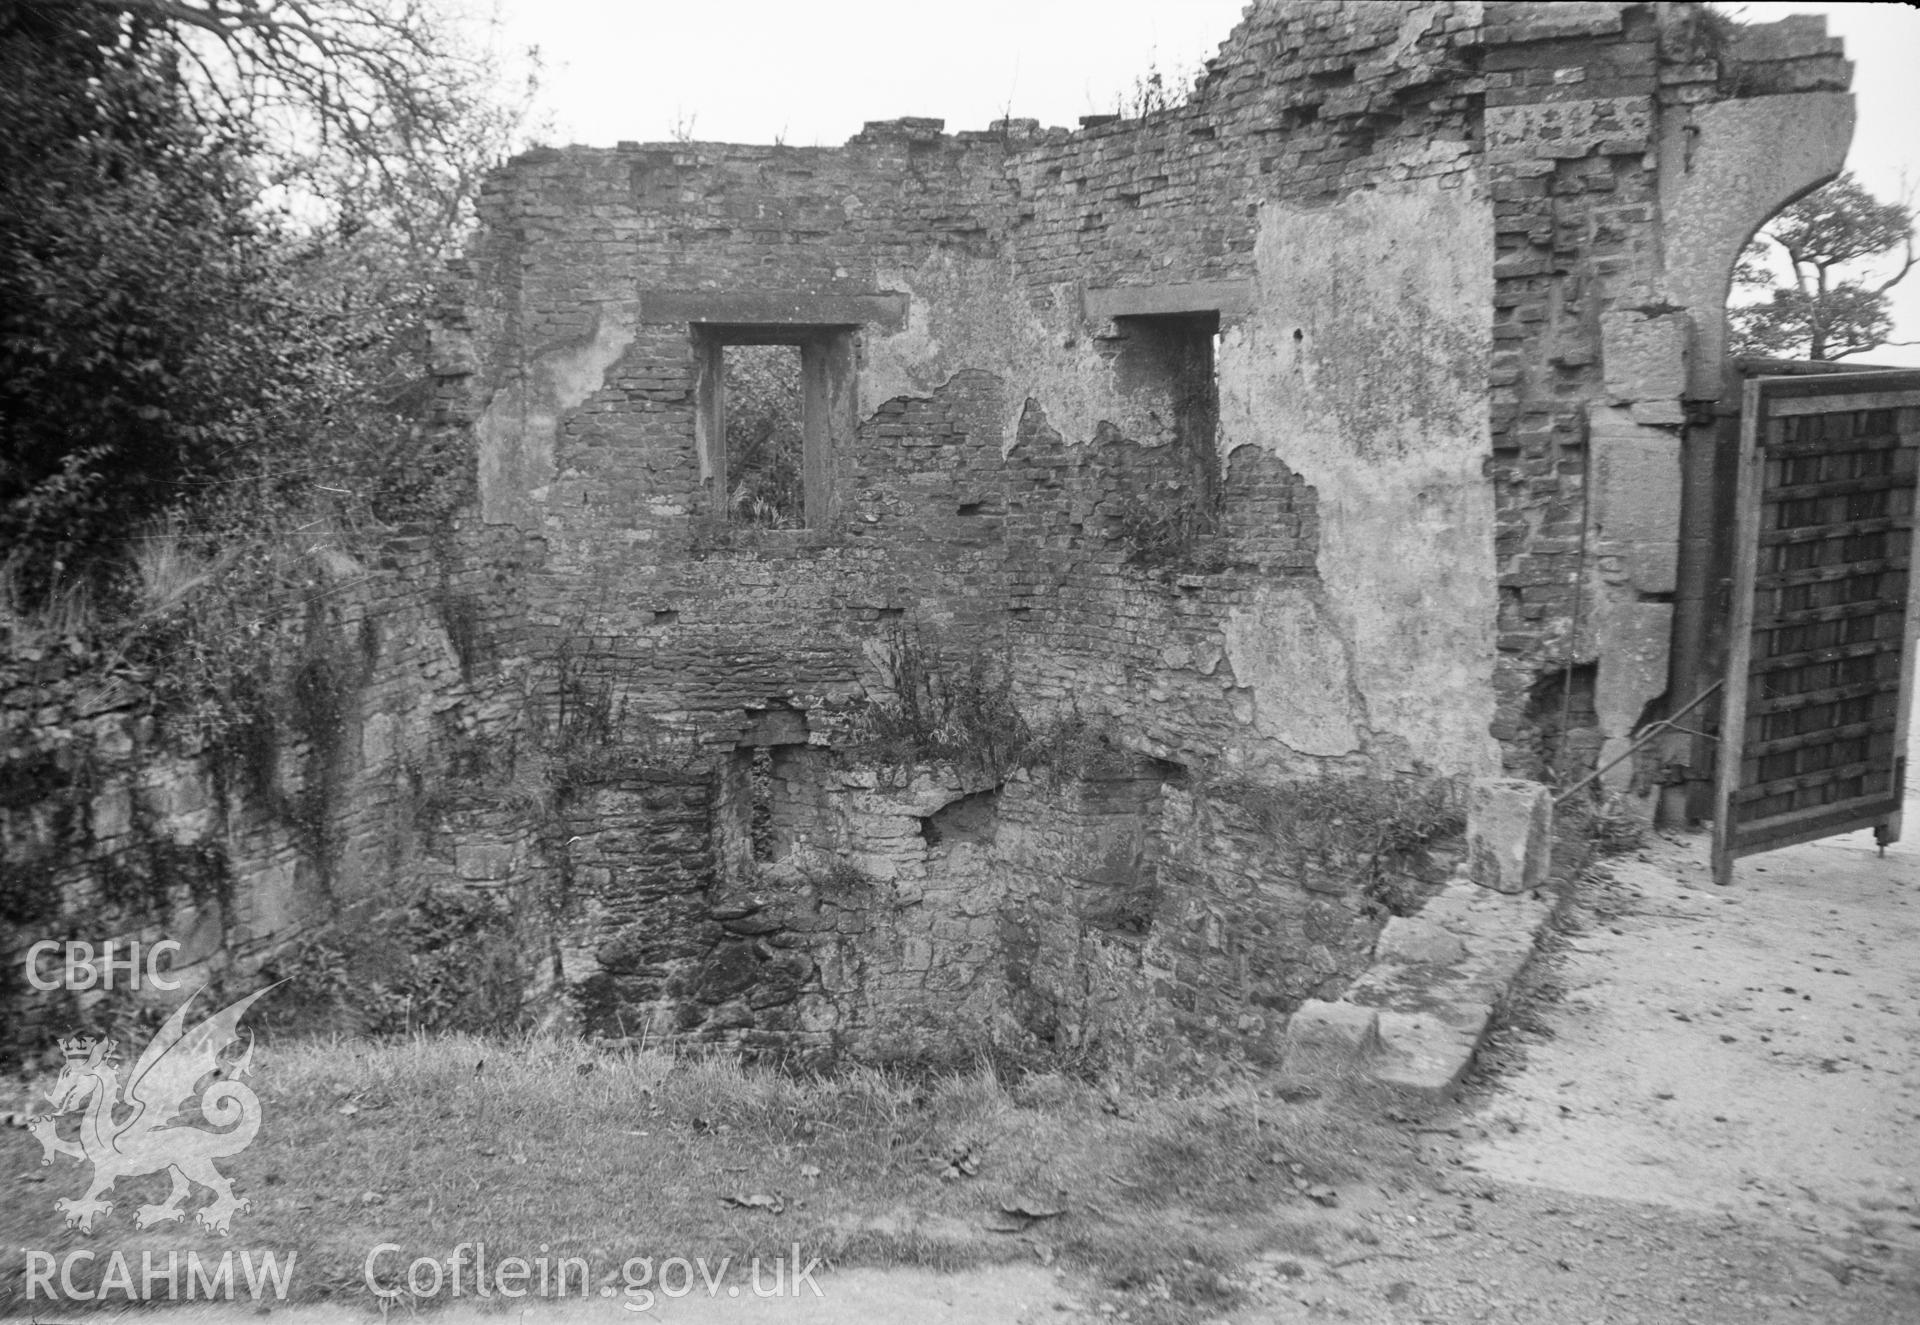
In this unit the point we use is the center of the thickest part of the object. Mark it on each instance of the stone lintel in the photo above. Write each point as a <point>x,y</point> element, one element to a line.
<point>885,309</point>
<point>1228,298</point>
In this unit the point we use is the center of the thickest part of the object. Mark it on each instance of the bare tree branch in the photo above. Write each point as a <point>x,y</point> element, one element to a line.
<point>384,100</point>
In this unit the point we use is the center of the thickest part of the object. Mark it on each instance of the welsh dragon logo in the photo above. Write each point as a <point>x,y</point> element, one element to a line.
<point>134,1130</point>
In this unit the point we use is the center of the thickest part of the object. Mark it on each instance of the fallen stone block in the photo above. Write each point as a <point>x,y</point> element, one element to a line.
<point>1348,1025</point>
<point>1509,834</point>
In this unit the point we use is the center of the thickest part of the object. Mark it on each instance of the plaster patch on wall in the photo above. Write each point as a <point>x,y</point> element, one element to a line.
<point>971,312</point>
<point>1290,656</point>
<point>1365,370</point>
<point>518,429</point>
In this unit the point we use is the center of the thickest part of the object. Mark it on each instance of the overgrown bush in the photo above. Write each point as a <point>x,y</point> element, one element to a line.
<point>168,342</point>
<point>145,333</point>
<point>451,960</point>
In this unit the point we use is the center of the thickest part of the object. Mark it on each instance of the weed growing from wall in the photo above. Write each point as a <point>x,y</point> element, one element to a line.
<point>832,876</point>
<point>933,714</point>
<point>1366,816</point>
<point>1072,747</point>
<point>1356,827</point>
<point>1156,91</point>
<point>1167,527</point>
<point>1605,820</point>
<point>596,736</point>
<point>240,653</point>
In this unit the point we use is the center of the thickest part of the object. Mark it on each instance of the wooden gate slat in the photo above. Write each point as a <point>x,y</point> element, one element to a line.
<point>1879,524</point>
<point>1869,400</point>
<point>1836,612</point>
<point>1840,570</point>
<point>1787,662</point>
<point>1849,731</point>
<point>1808,825</point>
<point>1831,695</point>
<point>1886,441</point>
<point>1840,487</point>
<point>1808,781</point>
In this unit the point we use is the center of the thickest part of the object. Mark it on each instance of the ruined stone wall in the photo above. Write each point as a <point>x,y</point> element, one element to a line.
<point>1444,266</point>
<point>347,794</point>
<point>1017,494</point>
<point>994,746</point>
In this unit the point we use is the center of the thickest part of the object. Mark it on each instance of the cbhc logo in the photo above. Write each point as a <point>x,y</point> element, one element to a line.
<point>82,971</point>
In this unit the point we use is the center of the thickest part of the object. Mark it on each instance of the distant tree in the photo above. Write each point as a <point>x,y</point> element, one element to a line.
<point>371,124</point>
<point>1840,243</point>
<point>221,227</point>
<point>378,112</point>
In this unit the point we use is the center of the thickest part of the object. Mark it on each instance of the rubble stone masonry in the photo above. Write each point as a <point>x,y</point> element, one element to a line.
<point>1454,274</point>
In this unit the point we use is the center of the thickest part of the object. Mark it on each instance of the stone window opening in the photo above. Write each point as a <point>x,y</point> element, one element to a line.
<point>1169,364</point>
<point>1165,368</point>
<point>776,403</point>
<point>760,803</point>
<point>768,798</point>
<point>765,435</point>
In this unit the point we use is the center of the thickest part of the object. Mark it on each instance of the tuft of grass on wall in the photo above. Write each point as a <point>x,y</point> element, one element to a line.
<point>935,714</point>
<point>1363,815</point>
<point>1605,820</point>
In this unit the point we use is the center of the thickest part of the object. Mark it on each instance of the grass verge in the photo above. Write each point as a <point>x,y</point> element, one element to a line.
<point>546,1147</point>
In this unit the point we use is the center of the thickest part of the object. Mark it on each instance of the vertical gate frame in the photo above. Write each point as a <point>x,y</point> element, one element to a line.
<point>1748,492</point>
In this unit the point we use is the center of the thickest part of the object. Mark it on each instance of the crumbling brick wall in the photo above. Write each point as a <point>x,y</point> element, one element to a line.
<point>1455,276</point>
<point>1429,254</point>
<point>1017,486</point>
<point>1631,151</point>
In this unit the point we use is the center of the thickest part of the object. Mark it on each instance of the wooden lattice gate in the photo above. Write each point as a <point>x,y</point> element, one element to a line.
<point>1819,678</point>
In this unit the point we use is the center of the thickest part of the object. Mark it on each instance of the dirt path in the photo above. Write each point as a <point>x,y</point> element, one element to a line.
<point>1708,1110</point>
<point>1754,1050</point>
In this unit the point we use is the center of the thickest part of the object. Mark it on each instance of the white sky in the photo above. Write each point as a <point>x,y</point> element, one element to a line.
<point>810,72</point>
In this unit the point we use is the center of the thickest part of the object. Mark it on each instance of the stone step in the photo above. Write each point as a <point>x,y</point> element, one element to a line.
<point>1419,1013</point>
